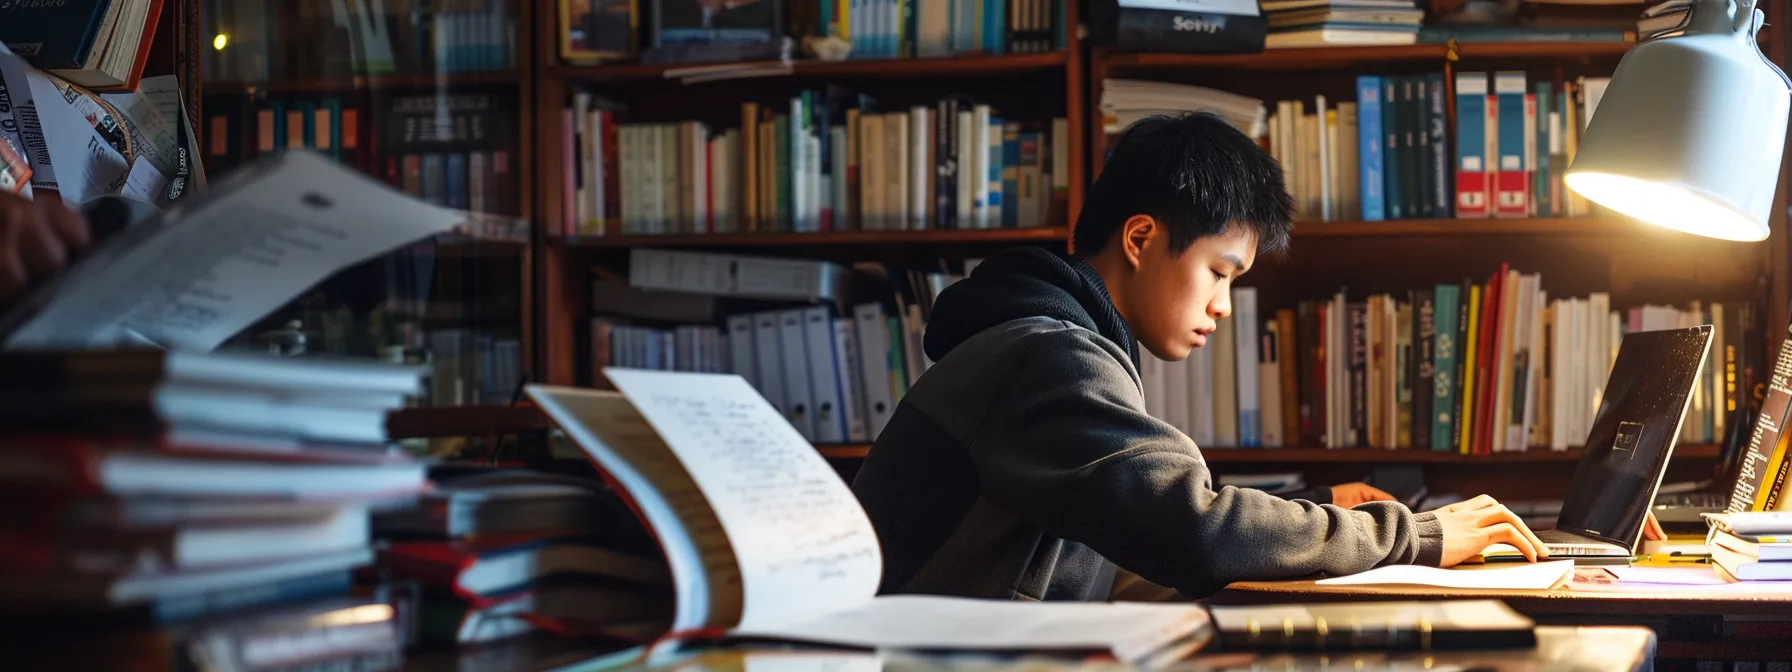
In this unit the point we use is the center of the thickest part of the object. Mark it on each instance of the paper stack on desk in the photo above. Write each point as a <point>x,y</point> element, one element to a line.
<point>1533,576</point>
<point>1751,546</point>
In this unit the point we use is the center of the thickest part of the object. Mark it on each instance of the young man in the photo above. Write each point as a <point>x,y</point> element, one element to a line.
<point>1023,465</point>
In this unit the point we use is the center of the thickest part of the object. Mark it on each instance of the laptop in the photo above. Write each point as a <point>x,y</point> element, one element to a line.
<point>1626,452</point>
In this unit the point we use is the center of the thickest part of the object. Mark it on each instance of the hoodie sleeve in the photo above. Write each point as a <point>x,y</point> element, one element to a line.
<point>1066,445</point>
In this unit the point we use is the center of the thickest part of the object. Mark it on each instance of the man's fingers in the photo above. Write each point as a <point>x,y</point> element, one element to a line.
<point>41,250</point>
<point>1652,529</point>
<point>1509,534</point>
<point>69,227</point>
<point>1501,514</point>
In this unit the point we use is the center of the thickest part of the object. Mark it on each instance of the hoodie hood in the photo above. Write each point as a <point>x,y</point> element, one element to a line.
<point>1020,283</point>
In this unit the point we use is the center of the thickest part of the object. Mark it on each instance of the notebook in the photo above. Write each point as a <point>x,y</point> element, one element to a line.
<point>765,541</point>
<point>1627,451</point>
<point>1457,624</point>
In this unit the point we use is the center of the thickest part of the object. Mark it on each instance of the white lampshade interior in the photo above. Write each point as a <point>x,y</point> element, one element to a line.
<point>1669,205</point>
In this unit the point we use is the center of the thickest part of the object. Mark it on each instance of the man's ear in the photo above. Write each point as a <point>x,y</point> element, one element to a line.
<point>1134,233</point>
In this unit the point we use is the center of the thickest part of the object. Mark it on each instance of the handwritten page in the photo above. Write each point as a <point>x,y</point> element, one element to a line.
<point>804,544</point>
<point>1128,629</point>
<point>144,183</point>
<point>609,429</point>
<point>1528,576</point>
<point>193,276</point>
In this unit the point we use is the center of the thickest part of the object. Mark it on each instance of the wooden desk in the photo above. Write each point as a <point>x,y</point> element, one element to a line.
<point>1692,625</point>
<point>1599,649</point>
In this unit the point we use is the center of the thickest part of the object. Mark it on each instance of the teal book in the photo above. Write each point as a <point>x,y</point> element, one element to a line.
<point>1541,196</point>
<point>1443,376</point>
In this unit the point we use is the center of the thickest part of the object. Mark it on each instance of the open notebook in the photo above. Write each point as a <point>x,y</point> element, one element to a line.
<point>765,541</point>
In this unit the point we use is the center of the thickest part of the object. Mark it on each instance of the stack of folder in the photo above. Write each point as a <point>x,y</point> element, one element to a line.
<point>174,504</point>
<point>1751,546</point>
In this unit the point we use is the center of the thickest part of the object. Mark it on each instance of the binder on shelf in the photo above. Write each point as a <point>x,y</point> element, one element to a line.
<point>737,275</point>
<point>793,351</point>
<point>828,407</point>
<point>1472,134</point>
<point>742,356</point>
<point>1509,90</point>
<point>852,384</point>
<point>769,361</point>
<point>874,362</point>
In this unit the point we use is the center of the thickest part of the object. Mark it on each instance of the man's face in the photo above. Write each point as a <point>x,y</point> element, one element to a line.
<point>1178,299</point>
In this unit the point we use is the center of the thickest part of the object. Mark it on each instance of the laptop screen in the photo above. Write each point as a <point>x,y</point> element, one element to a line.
<point>1633,435</point>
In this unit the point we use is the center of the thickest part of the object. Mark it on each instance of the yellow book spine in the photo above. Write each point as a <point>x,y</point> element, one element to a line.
<point>1466,421</point>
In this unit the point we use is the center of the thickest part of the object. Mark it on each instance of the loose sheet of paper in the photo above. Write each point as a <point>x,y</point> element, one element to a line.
<point>612,432</point>
<point>1692,575</point>
<point>17,100</point>
<point>804,544</point>
<point>929,622</point>
<point>87,163</point>
<point>1531,576</point>
<point>144,182</point>
<point>196,275</point>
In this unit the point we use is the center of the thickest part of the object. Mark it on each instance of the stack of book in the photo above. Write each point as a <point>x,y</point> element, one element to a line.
<point>505,552</point>
<point>1125,101</point>
<point>183,502</point>
<point>1319,23</point>
<point>1752,546</point>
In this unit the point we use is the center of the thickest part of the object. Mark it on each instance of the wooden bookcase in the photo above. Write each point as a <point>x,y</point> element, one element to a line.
<point>1633,262</point>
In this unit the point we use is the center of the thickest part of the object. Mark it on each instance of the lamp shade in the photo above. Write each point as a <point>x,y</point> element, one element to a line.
<point>1690,132</point>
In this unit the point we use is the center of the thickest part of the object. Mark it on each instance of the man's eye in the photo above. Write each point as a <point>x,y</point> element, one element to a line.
<point>1218,275</point>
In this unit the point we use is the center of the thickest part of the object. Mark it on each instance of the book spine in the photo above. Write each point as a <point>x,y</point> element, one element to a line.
<point>1358,345</point>
<point>1442,191</point>
<point>1765,451</point>
<point>1444,370</point>
<point>1393,170</point>
<point>1369,147</point>
<point>1471,137</point>
<point>1509,89</point>
<point>1423,365</point>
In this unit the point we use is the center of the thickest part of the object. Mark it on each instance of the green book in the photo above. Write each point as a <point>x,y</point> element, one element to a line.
<point>1446,351</point>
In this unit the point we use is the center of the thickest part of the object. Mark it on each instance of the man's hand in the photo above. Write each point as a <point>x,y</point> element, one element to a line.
<point>1351,494</point>
<point>1652,528</point>
<point>1472,526</point>
<point>37,237</point>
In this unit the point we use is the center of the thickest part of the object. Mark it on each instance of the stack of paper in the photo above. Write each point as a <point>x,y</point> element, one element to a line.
<point>1126,101</point>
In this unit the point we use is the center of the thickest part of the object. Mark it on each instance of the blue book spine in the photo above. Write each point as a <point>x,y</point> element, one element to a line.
<point>1445,351</point>
<point>993,178</point>
<point>1540,196</point>
<point>457,180</point>
<point>335,107</point>
<point>1471,146</point>
<point>1369,154</point>
<point>1011,176</point>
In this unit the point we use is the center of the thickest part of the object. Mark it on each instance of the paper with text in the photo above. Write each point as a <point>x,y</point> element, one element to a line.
<point>193,276</point>
<point>21,122</point>
<point>1128,629</point>
<point>144,183</point>
<point>1528,576</point>
<point>88,162</point>
<point>804,544</point>
<point>609,429</point>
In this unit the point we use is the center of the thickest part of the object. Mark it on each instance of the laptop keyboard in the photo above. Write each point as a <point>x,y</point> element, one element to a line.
<point>1563,543</point>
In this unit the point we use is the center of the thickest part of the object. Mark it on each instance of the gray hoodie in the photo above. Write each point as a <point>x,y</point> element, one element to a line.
<point>1023,464</point>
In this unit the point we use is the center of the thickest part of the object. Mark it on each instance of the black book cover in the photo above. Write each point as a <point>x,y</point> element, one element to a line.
<point>1359,377</point>
<point>1424,330</point>
<point>1112,24</point>
<point>1443,188</point>
<point>1312,399</point>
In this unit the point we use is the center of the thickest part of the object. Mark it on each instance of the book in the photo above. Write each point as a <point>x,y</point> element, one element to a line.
<point>764,541</point>
<point>1459,624</point>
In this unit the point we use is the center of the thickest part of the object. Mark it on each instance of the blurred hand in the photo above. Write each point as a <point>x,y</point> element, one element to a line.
<point>1472,526</point>
<point>1652,529</point>
<point>1352,494</point>
<point>37,237</point>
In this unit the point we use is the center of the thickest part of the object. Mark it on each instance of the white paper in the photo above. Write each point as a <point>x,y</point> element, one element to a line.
<point>152,134</point>
<point>612,432</point>
<point>1129,629</point>
<point>86,163</point>
<point>144,182</point>
<point>200,273</point>
<point>1527,576</point>
<point>1695,575</point>
<point>804,544</point>
<point>811,661</point>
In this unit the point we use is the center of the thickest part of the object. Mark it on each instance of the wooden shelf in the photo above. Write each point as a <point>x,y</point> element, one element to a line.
<point>845,452</point>
<point>1340,58</point>
<point>955,66</point>
<point>928,237</point>
<point>362,82</point>
<point>1373,456</point>
<point>1473,227</point>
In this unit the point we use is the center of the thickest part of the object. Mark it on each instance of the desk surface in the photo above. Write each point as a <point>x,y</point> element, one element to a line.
<point>1565,599</point>
<point>1590,649</point>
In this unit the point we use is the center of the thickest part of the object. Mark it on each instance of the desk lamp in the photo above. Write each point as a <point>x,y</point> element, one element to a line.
<point>1690,131</point>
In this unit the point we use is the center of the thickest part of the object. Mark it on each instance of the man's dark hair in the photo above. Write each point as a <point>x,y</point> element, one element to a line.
<point>1194,173</point>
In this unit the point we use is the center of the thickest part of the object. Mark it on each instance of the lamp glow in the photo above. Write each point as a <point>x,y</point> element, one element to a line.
<point>1690,132</point>
<point>219,42</point>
